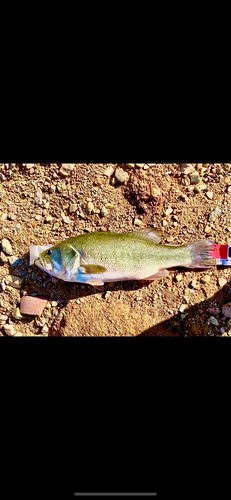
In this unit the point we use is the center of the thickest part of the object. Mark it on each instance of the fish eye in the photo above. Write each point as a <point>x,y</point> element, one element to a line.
<point>49,252</point>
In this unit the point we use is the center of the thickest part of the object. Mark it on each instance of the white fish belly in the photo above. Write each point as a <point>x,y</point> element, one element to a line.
<point>120,275</point>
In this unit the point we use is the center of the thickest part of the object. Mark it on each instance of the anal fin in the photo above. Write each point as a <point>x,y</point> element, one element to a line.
<point>96,283</point>
<point>158,276</point>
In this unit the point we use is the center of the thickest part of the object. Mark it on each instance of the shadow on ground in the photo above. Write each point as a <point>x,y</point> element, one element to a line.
<point>193,322</point>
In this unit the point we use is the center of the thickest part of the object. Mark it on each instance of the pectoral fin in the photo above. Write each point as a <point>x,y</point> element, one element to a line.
<point>92,269</point>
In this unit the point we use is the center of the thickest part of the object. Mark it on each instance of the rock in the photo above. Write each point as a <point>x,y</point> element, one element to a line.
<point>45,330</point>
<point>222,282</point>
<point>183,308</point>
<point>12,260</point>
<point>155,192</point>
<point>209,195</point>
<point>9,330</point>
<point>6,247</point>
<point>194,284</point>
<point>137,222</point>
<point>179,277</point>
<point>168,212</point>
<point>90,208</point>
<point>187,169</point>
<point>73,208</point>
<point>52,188</point>
<point>213,321</point>
<point>40,322</point>
<point>14,281</point>
<point>3,319</point>
<point>16,314</point>
<point>213,310</point>
<point>66,219</point>
<point>12,216</point>
<point>205,279</point>
<point>195,178</point>
<point>3,257</point>
<point>215,214</point>
<point>49,219</point>
<point>103,211</point>
<point>226,310</point>
<point>121,176</point>
<point>109,171</point>
<point>38,198</point>
<point>66,169</point>
<point>32,305</point>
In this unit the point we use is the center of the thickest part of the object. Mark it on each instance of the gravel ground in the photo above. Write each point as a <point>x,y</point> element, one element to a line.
<point>45,203</point>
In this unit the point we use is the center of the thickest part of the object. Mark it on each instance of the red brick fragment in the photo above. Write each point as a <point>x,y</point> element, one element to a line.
<point>32,305</point>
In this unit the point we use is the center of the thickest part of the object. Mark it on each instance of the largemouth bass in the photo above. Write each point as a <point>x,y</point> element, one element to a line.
<point>97,258</point>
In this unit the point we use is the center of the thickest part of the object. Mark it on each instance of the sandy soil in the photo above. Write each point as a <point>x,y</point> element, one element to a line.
<point>79,198</point>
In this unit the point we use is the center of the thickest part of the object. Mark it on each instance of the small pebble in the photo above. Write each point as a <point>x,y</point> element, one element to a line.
<point>45,330</point>
<point>16,314</point>
<point>226,310</point>
<point>214,310</point>
<point>137,222</point>
<point>183,308</point>
<point>213,321</point>
<point>73,208</point>
<point>194,284</point>
<point>12,260</point>
<point>109,171</point>
<point>9,330</point>
<point>103,212</point>
<point>3,257</point>
<point>222,282</point>
<point>168,212</point>
<point>90,208</point>
<point>195,178</point>
<point>38,197</point>
<point>215,214</point>
<point>66,169</point>
<point>121,176</point>
<point>39,322</point>
<point>205,279</point>
<point>3,318</point>
<point>6,247</point>
<point>14,281</point>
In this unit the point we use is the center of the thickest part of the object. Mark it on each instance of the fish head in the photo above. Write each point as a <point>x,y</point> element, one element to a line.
<point>61,261</point>
<point>50,261</point>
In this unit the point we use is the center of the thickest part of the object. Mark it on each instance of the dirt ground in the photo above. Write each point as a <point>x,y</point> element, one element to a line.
<point>45,203</point>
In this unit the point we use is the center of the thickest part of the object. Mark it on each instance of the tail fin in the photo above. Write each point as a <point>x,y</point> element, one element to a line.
<point>202,254</point>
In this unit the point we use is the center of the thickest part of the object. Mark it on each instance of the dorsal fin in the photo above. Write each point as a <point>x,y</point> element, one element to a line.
<point>151,234</point>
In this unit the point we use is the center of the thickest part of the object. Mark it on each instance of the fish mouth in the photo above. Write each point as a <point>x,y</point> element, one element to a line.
<point>35,252</point>
<point>39,262</point>
<point>43,265</point>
